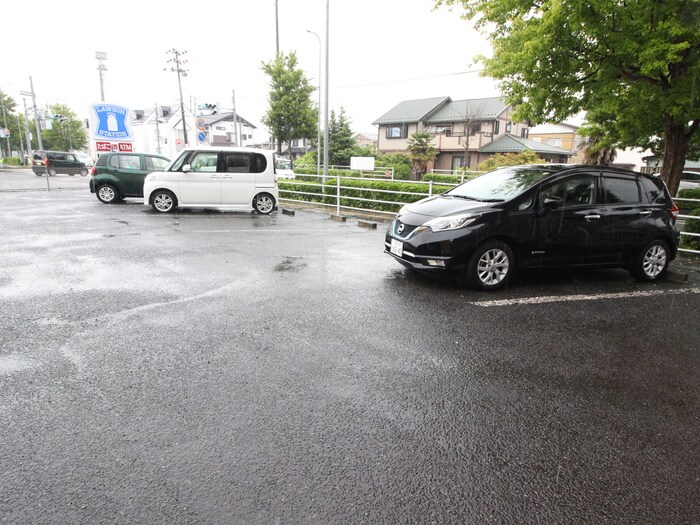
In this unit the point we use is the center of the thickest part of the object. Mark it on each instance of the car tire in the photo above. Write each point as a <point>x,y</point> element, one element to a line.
<point>264,203</point>
<point>652,262</point>
<point>83,173</point>
<point>491,266</point>
<point>52,172</point>
<point>163,201</point>
<point>71,174</point>
<point>107,194</point>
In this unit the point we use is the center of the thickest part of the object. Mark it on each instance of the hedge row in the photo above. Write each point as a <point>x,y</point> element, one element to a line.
<point>365,189</point>
<point>691,226</point>
<point>10,161</point>
<point>689,193</point>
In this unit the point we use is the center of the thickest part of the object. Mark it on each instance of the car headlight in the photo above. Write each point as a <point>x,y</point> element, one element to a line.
<point>453,222</point>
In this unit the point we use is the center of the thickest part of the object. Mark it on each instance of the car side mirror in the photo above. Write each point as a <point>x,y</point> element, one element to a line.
<point>552,203</point>
<point>186,168</point>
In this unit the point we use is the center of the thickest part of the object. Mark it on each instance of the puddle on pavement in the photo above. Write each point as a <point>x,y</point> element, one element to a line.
<point>290,264</point>
<point>15,363</point>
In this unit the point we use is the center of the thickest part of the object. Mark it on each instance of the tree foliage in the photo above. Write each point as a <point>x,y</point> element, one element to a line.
<point>421,151</point>
<point>66,133</point>
<point>291,114</point>
<point>635,60</point>
<point>509,159</point>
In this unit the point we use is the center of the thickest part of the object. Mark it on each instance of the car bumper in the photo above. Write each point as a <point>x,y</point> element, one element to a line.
<point>434,252</point>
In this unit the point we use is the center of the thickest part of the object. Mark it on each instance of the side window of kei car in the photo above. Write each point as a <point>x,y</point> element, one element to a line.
<point>204,161</point>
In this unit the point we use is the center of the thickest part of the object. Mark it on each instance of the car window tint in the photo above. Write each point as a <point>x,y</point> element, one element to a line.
<point>260,163</point>
<point>129,162</point>
<point>572,191</point>
<point>204,161</point>
<point>687,175</point>
<point>654,190</point>
<point>237,162</point>
<point>156,164</point>
<point>177,165</point>
<point>71,158</point>
<point>619,190</point>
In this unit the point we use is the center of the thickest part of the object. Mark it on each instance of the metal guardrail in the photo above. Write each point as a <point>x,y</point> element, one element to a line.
<point>341,195</point>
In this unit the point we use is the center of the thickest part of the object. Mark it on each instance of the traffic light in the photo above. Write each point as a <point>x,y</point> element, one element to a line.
<point>212,108</point>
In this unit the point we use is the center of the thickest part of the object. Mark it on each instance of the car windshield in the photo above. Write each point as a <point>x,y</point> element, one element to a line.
<point>283,164</point>
<point>502,184</point>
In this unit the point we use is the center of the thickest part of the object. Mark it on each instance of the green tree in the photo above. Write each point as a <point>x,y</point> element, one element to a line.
<point>342,145</point>
<point>638,60</point>
<point>66,133</point>
<point>291,114</point>
<point>421,151</point>
<point>509,159</point>
<point>8,120</point>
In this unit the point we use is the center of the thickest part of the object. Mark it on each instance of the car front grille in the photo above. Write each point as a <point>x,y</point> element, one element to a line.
<point>405,232</point>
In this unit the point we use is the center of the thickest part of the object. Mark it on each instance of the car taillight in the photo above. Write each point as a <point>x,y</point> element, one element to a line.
<point>93,171</point>
<point>46,161</point>
<point>673,210</point>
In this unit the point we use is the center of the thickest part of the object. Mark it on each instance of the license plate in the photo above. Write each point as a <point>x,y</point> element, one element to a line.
<point>397,247</point>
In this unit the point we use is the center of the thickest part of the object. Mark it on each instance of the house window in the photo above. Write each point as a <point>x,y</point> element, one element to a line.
<point>509,126</point>
<point>447,130</point>
<point>524,132</point>
<point>396,132</point>
<point>496,126</point>
<point>475,128</point>
<point>555,141</point>
<point>457,162</point>
<point>537,139</point>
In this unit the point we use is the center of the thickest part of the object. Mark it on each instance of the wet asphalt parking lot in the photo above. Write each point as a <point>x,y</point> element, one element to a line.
<point>223,367</point>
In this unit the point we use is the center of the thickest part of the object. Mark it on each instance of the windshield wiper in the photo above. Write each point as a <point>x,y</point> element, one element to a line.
<point>462,197</point>
<point>492,200</point>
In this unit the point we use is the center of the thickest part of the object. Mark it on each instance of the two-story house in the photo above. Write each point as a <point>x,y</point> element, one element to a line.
<point>465,132</point>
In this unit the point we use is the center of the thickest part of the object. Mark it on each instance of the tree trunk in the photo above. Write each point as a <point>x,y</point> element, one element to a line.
<point>675,151</point>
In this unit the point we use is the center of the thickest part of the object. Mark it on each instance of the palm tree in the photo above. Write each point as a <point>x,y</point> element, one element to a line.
<point>421,151</point>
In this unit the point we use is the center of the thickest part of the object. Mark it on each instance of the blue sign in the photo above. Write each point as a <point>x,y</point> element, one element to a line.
<point>112,122</point>
<point>202,136</point>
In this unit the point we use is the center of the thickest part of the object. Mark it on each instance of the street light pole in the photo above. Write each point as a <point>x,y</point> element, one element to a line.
<point>318,135</point>
<point>179,62</point>
<point>36,116</point>
<point>325,116</point>
<point>101,57</point>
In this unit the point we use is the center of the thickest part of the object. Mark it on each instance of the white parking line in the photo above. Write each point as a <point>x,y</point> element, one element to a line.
<point>570,298</point>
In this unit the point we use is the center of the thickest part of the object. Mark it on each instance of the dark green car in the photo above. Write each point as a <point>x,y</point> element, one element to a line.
<point>119,175</point>
<point>53,162</point>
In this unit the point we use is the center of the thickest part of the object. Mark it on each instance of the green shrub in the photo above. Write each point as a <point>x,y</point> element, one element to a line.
<point>364,189</point>
<point>691,226</point>
<point>689,193</point>
<point>10,161</point>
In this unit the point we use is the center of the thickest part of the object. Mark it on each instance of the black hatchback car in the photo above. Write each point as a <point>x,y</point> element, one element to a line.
<point>539,216</point>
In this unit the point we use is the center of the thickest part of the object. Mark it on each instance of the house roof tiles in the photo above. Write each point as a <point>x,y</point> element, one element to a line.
<point>471,109</point>
<point>410,111</point>
<point>511,144</point>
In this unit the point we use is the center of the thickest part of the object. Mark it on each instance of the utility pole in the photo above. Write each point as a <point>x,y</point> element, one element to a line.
<point>4,116</point>
<point>101,57</point>
<point>325,116</point>
<point>19,132</point>
<point>157,130</point>
<point>179,62</point>
<point>318,131</point>
<point>235,118</point>
<point>36,115</point>
<point>26,128</point>
<point>277,28</point>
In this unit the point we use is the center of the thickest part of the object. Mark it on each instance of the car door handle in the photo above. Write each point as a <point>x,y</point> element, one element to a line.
<point>592,217</point>
<point>645,213</point>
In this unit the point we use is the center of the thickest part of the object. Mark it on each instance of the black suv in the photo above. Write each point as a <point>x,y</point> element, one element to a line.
<point>120,175</point>
<point>53,162</point>
<point>539,216</point>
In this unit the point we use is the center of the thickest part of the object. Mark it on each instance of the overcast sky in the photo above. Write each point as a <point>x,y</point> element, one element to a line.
<point>381,52</point>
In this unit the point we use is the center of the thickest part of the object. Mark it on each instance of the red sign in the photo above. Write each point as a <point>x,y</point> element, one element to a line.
<point>125,146</point>
<point>103,146</point>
